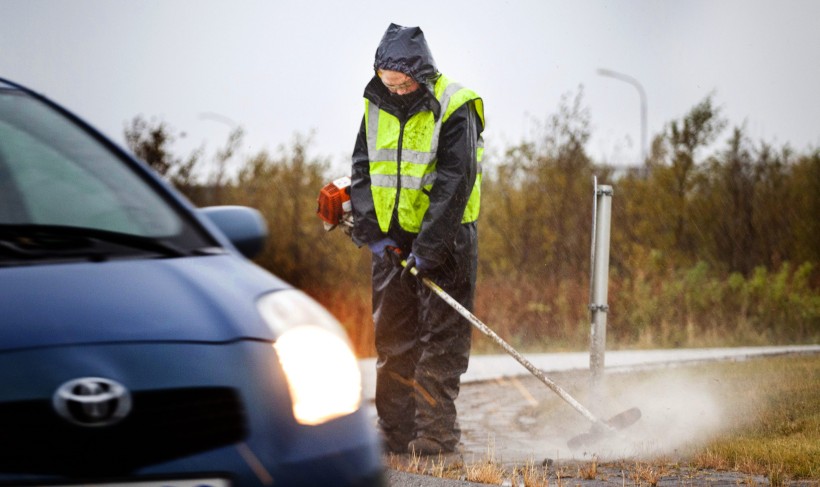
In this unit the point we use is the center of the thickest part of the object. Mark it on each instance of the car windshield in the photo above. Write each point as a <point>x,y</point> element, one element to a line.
<point>55,175</point>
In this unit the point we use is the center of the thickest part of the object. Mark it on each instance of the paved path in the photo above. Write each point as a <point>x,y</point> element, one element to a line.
<point>489,367</point>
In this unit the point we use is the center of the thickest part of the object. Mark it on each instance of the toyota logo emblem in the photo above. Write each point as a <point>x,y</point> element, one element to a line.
<point>92,401</point>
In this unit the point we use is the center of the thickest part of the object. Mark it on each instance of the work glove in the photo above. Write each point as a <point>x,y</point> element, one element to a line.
<point>394,255</point>
<point>379,246</point>
<point>422,266</point>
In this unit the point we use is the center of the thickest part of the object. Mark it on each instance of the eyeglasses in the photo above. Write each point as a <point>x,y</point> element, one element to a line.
<point>405,86</point>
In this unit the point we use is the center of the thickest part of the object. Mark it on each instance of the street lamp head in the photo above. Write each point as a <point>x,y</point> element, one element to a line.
<point>641,93</point>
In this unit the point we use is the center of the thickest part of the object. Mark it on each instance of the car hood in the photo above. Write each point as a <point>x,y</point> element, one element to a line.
<point>199,299</point>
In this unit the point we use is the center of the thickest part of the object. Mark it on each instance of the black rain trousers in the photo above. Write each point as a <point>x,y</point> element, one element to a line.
<point>423,344</point>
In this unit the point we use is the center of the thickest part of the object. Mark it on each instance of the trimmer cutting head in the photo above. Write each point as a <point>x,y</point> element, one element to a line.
<point>610,426</point>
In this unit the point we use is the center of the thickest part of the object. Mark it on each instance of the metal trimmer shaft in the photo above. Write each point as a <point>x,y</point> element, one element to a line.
<point>563,394</point>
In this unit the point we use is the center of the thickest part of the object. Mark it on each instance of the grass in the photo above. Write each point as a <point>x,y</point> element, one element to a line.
<point>777,425</point>
<point>772,429</point>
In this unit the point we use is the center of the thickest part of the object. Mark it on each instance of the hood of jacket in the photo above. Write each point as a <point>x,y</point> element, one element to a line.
<point>404,49</point>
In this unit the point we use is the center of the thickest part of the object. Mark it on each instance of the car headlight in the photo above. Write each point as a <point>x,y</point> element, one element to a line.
<point>319,364</point>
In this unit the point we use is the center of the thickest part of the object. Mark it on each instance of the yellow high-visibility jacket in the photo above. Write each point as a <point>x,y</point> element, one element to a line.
<point>403,157</point>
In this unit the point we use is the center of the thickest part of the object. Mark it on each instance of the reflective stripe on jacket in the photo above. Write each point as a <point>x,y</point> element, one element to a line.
<point>415,145</point>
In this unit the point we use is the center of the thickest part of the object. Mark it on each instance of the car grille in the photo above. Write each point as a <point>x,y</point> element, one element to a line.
<point>163,425</point>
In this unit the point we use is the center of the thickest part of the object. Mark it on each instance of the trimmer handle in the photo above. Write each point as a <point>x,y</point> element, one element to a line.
<point>395,255</point>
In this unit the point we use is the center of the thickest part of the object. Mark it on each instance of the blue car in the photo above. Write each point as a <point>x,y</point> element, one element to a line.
<point>140,346</point>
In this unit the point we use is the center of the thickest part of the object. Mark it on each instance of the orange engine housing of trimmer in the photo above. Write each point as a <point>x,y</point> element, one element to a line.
<point>334,204</point>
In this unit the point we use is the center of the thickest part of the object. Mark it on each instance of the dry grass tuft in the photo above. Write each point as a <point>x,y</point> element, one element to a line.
<point>778,476</point>
<point>435,466</point>
<point>710,459</point>
<point>589,471</point>
<point>532,476</point>
<point>488,471</point>
<point>403,463</point>
<point>485,473</point>
<point>645,474</point>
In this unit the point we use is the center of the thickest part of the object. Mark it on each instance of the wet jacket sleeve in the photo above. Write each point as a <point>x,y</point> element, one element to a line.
<point>456,169</point>
<point>366,225</point>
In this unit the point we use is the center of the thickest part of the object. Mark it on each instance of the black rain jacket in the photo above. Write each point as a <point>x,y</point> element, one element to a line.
<point>404,49</point>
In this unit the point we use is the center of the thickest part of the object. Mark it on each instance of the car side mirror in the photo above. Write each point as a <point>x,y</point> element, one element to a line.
<point>245,227</point>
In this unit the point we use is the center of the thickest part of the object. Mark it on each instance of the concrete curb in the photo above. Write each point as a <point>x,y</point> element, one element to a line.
<point>489,367</point>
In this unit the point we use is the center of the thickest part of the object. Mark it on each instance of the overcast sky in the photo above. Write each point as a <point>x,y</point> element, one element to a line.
<point>294,66</point>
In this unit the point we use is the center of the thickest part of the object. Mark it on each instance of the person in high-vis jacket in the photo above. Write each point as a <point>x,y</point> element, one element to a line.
<point>416,180</point>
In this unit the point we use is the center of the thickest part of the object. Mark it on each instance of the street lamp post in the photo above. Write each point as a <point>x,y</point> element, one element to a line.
<point>642,94</point>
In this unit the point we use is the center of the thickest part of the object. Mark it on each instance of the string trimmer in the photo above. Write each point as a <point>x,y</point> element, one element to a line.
<point>599,428</point>
<point>334,210</point>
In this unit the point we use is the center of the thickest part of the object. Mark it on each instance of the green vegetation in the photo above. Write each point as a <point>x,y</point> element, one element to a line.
<point>659,307</point>
<point>776,424</point>
<point>710,246</point>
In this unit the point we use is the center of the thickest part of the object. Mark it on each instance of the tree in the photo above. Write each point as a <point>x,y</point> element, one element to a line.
<point>726,197</point>
<point>284,188</point>
<point>537,203</point>
<point>804,205</point>
<point>152,143</point>
<point>659,209</point>
<point>698,128</point>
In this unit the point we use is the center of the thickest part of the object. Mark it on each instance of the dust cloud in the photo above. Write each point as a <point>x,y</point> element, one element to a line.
<point>679,409</point>
<point>518,420</point>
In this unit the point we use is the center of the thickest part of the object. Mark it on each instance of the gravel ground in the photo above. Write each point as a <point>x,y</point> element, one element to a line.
<point>514,422</point>
<point>606,478</point>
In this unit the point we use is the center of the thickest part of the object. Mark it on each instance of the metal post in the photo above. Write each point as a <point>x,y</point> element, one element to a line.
<point>599,284</point>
